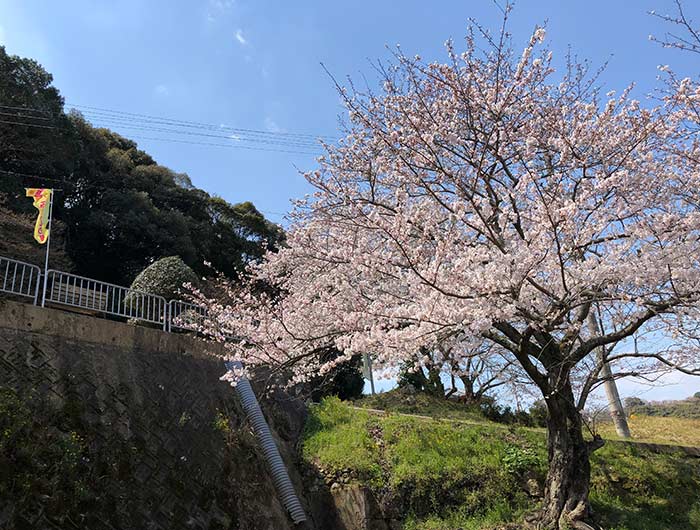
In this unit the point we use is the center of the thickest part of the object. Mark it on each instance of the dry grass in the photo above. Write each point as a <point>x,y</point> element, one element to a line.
<point>657,429</point>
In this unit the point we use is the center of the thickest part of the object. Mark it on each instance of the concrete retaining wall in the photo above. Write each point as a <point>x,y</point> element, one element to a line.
<point>162,437</point>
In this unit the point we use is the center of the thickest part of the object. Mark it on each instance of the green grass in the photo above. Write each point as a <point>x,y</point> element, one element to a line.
<point>636,489</point>
<point>336,437</point>
<point>420,403</point>
<point>452,475</point>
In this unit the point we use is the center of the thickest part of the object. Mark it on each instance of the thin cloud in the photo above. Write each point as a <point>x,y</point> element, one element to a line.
<point>222,5</point>
<point>161,90</point>
<point>272,126</point>
<point>216,8</point>
<point>240,38</point>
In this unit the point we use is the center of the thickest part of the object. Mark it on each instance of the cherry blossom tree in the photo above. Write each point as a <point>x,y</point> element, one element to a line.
<point>492,198</point>
<point>684,36</point>
<point>482,370</point>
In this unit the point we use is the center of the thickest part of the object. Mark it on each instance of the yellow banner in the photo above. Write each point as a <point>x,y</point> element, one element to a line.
<point>42,199</point>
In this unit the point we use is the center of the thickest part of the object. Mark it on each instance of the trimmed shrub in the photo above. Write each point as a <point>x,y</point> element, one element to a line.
<point>165,278</point>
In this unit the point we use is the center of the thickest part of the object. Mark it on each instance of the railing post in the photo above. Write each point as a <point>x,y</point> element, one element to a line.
<point>36,289</point>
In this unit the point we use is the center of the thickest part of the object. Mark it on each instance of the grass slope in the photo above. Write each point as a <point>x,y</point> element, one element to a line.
<point>658,429</point>
<point>420,403</point>
<point>448,475</point>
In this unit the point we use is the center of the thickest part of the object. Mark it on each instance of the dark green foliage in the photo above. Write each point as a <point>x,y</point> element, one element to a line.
<point>538,413</point>
<point>49,147</point>
<point>421,381</point>
<point>39,464</point>
<point>122,211</point>
<point>424,379</point>
<point>685,408</point>
<point>344,381</point>
<point>632,402</point>
<point>165,278</point>
<point>518,460</point>
<point>136,212</point>
<point>409,401</point>
<point>492,410</point>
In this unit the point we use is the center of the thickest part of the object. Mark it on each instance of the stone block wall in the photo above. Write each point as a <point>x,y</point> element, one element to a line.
<point>158,442</point>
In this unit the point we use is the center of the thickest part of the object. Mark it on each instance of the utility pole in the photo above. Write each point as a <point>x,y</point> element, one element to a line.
<point>367,370</point>
<point>48,243</point>
<point>617,412</point>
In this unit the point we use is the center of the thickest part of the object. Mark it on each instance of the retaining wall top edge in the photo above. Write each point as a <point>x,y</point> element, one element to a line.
<point>20,317</point>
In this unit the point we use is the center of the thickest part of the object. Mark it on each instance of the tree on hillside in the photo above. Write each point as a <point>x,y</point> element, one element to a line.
<point>491,198</point>
<point>121,209</point>
<point>18,242</point>
<point>480,369</point>
<point>127,211</point>
<point>35,136</point>
<point>483,369</point>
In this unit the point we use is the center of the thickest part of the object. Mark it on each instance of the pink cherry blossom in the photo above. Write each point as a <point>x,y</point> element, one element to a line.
<point>494,200</point>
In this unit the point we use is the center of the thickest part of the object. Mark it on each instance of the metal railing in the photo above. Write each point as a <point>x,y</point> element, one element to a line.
<point>19,278</point>
<point>84,293</point>
<point>63,288</point>
<point>186,316</point>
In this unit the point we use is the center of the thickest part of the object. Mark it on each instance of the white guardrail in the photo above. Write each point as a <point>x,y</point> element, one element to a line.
<point>66,289</point>
<point>183,315</point>
<point>19,278</point>
<point>93,295</point>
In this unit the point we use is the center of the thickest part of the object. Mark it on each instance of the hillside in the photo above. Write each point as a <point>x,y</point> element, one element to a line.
<point>657,429</point>
<point>446,474</point>
<point>683,408</point>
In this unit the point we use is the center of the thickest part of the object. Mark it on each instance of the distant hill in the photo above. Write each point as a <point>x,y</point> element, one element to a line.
<point>685,408</point>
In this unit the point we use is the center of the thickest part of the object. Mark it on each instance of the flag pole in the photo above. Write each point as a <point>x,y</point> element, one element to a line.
<point>48,243</point>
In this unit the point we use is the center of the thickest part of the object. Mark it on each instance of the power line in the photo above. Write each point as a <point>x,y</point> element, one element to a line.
<point>94,186</point>
<point>239,137</point>
<point>188,122</point>
<point>228,137</point>
<point>246,147</point>
<point>15,115</point>
<point>146,118</point>
<point>29,124</point>
<point>29,109</point>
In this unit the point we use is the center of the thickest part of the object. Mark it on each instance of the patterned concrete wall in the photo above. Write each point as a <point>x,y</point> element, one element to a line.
<point>162,437</point>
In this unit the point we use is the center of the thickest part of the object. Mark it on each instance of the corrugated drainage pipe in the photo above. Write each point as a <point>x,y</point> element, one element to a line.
<point>280,477</point>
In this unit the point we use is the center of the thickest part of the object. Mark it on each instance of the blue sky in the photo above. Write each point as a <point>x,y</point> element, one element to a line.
<point>256,65</point>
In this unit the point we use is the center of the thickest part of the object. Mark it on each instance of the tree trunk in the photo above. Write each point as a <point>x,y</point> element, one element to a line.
<point>566,502</point>
<point>468,384</point>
